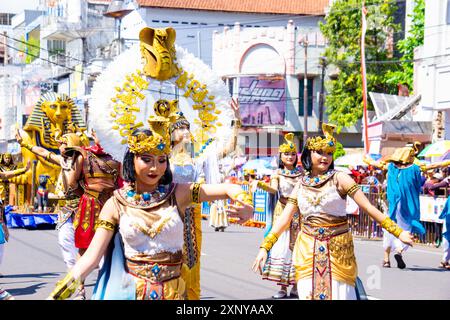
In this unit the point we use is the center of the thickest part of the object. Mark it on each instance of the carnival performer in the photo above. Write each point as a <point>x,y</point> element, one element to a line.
<point>323,256</point>
<point>149,215</point>
<point>5,295</point>
<point>279,266</point>
<point>403,178</point>
<point>187,169</point>
<point>218,218</point>
<point>90,176</point>
<point>445,215</point>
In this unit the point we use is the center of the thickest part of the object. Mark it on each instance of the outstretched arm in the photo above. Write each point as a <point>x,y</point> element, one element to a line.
<point>347,186</point>
<point>270,188</point>
<point>13,173</point>
<point>278,228</point>
<point>108,220</point>
<point>435,165</point>
<point>44,153</point>
<point>378,164</point>
<point>197,193</point>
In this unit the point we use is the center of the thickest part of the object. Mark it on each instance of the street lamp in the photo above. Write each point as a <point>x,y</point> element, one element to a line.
<point>323,62</point>
<point>117,9</point>
<point>304,41</point>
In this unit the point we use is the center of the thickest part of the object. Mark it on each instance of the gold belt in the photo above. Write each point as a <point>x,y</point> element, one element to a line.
<point>322,232</point>
<point>154,272</point>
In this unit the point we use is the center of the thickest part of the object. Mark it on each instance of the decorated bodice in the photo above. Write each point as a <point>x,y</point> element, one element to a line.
<point>148,230</point>
<point>286,183</point>
<point>322,199</point>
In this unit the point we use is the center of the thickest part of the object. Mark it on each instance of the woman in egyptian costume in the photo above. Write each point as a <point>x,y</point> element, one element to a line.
<point>323,257</point>
<point>161,74</point>
<point>140,229</point>
<point>279,266</point>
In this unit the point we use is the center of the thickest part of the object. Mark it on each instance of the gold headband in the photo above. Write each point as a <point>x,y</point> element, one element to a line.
<point>327,144</point>
<point>289,146</point>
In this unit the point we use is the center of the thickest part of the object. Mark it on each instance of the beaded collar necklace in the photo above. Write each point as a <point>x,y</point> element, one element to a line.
<point>145,199</point>
<point>317,180</point>
<point>293,172</point>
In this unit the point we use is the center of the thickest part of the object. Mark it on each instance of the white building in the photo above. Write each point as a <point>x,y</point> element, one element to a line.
<point>432,69</point>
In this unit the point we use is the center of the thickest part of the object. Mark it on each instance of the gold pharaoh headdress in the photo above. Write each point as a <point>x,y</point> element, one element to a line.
<point>327,144</point>
<point>405,155</point>
<point>289,146</point>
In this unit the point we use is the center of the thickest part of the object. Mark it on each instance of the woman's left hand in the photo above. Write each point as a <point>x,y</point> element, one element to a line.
<point>407,238</point>
<point>241,210</point>
<point>235,106</point>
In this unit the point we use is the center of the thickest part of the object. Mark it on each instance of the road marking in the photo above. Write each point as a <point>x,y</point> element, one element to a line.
<point>372,298</point>
<point>409,249</point>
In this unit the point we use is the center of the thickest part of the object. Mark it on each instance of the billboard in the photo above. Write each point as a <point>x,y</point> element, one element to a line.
<point>262,101</point>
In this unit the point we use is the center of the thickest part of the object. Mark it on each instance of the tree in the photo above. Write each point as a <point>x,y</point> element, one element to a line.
<point>342,29</point>
<point>406,46</point>
<point>31,48</point>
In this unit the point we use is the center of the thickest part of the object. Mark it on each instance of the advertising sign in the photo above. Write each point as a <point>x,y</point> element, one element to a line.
<point>262,102</point>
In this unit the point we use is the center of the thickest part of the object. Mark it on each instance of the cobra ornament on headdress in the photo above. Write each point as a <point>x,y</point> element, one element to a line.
<point>327,144</point>
<point>159,142</point>
<point>289,146</point>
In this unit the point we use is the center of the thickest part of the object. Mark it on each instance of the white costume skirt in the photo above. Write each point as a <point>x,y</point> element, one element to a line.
<point>279,266</point>
<point>218,218</point>
<point>66,241</point>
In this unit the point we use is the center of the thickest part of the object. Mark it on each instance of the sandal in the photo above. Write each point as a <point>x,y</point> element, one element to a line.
<point>386,264</point>
<point>443,265</point>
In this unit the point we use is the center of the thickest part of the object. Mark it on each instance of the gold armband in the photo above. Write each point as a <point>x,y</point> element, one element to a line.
<point>65,287</point>
<point>292,201</point>
<point>352,190</point>
<point>244,196</point>
<point>269,241</point>
<point>28,146</point>
<point>105,224</point>
<point>19,171</point>
<point>391,227</point>
<point>195,193</point>
<point>47,157</point>
<point>263,186</point>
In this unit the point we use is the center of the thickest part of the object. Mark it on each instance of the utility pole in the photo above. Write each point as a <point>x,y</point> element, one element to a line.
<point>5,54</point>
<point>323,63</point>
<point>304,42</point>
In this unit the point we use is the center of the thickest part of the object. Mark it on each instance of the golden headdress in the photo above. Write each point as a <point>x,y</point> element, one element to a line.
<point>289,146</point>
<point>327,144</point>
<point>159,142</point>
<point>405,155</point>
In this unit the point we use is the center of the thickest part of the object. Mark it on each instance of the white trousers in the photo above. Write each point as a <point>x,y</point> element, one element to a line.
<point>66,241</point>
<point>2,250</point>
<point>445,246</point>
<point>389,241</point>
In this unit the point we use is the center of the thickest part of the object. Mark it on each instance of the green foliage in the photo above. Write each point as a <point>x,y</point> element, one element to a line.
<point>342,29</point>
<point>31,48</point>
<point>339,151</point>
<point>406,46</point>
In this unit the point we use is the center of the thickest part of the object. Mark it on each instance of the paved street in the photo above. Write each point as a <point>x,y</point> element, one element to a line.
<point>32,264</point>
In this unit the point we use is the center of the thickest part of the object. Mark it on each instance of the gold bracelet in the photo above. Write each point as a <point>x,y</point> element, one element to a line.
<point>391,227</point>
<point>47,157</point>
<point>352,190</point>
<point>105,224</point>
<point>292,201</point>
<point>244,196</point>
<point>195,193</point>
<point>19,171</point>
<point>269,241</point>
<point>65,287</point>
<point>263,186</point>
<point>236,123</point>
